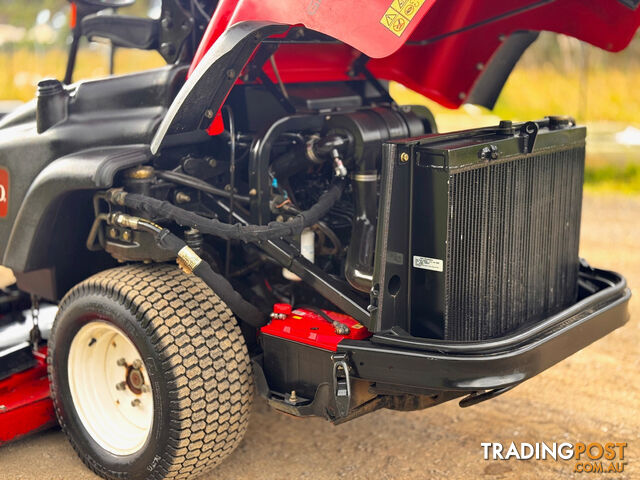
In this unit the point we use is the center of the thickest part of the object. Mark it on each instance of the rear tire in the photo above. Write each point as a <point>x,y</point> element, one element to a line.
<point>183,407</point>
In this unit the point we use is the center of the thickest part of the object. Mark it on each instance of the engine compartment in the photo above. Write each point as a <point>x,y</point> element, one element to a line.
<point>262,173</point>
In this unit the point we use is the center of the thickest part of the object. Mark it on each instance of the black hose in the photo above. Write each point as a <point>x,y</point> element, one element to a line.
<point>192,182</point>
<point>245,233</point>
<point>245,310</point>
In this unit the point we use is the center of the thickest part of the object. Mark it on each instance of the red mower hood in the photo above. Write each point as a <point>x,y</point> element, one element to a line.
<point>436,47</point>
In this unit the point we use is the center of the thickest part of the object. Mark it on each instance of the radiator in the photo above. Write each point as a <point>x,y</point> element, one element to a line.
<point>492,230</point>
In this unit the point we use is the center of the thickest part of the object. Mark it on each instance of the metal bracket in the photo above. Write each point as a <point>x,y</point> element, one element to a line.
<point>528,134</point>
<point>341,384</point>
<point>479,397</point>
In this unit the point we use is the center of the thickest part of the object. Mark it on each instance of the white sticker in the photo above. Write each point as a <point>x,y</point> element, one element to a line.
<point>427,263</point>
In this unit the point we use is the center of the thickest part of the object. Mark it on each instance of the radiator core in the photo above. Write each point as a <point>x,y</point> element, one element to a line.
<point>512,243</point>
<point>491,232</point>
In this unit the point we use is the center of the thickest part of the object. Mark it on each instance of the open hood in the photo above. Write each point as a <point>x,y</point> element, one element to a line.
<point>439,48</point>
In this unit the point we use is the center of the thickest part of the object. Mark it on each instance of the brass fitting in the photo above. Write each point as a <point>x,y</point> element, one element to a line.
<point>188,260</point>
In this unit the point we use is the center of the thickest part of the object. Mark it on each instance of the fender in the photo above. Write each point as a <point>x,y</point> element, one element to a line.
<point>58,205</point>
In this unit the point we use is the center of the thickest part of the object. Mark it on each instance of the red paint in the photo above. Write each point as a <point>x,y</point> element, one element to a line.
<point>27,406</point>
<point>282,308</point>
<point>4,192</point>
<point>445,69</point>
<point>217,125</point>
<point>73,16</point>
<point>304,326</point>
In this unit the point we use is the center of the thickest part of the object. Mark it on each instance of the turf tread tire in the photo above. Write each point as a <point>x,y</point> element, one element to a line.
<point>202,353</point>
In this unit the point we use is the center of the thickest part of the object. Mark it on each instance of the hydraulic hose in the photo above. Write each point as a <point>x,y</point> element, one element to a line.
<point>190,261</point>
<point>189,181</point>
<point>246,233</point>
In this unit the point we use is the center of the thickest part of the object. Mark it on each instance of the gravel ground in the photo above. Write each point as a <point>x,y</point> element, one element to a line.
<point>594,396</point>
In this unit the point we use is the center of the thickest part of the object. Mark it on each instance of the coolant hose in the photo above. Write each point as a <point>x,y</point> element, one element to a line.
<point>246,233</point>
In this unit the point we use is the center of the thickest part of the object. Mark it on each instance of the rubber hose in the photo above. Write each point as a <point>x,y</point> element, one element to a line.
<point>245,310</point>
<point>246,233</point>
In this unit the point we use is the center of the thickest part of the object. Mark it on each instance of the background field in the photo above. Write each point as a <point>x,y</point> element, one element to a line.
<point>557,75</point>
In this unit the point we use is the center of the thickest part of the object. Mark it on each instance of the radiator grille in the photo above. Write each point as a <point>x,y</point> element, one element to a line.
<point>512,243</point>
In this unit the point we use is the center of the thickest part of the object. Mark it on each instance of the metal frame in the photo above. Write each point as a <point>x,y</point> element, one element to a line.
<point>495,363</point>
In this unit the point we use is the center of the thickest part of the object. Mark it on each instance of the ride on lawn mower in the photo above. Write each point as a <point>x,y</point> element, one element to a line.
<point>334,252</point>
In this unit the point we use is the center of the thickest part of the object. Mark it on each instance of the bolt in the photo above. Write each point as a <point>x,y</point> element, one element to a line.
<point>253,192</point>
<point>231,74</point>
<point>167,49</point>
<point>122,362</point>
<point>182,197</point>
<point>208,113</point>
<point>480,66</point>
<point>293,398</point>
<point>126,235</point>
<point>213,163</point>
<point>121,386</point>
<point>135,402</point>
<point>113,233</point>
<point>145,388</point>
<point>137,363</point>
<point>404,157</point>
<point>3,408</point>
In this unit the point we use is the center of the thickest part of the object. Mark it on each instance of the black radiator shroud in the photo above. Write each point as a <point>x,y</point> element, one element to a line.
<point>477,234</point>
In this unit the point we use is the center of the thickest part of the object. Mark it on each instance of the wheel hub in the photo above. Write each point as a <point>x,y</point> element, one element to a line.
<point>110,388</point>
<point>135,380</point>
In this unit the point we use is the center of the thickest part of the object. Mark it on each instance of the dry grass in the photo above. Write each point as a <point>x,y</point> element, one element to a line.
<point>20,70</point>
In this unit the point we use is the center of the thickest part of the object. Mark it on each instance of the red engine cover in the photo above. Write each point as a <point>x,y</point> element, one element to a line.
<point>305,326</point>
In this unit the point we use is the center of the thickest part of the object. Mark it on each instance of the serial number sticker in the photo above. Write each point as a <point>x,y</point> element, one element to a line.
<point>399,14</point>
<point>426,263</point>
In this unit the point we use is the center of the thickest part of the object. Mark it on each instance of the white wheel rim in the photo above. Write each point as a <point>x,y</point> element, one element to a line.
<point>119,420</point>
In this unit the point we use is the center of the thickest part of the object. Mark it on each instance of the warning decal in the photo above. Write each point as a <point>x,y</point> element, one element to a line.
<point>4,192</point>
<point>399,14</point>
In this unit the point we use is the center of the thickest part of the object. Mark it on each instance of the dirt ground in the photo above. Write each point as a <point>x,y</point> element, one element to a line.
<point>594,396</point>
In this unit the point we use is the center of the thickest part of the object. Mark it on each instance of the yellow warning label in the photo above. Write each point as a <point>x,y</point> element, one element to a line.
<point>399,14</point>
<point>407,8</point>
<point>394,21</point>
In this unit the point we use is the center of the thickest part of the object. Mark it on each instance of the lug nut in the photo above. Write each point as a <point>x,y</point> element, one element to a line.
<point>122,362</point>
<point>137,363</point>
<point>135,402</point>
<point>144,388</point>
<point>121,386</point>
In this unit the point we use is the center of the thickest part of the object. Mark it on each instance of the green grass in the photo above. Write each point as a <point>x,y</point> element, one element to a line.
<point>613,178</point>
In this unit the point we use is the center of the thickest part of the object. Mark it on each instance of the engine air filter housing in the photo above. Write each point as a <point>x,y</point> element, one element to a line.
<point>479,230</point>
